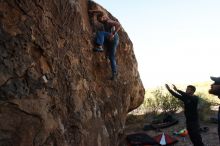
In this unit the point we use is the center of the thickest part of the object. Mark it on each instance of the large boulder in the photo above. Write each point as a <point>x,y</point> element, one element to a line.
<point>54,90</point>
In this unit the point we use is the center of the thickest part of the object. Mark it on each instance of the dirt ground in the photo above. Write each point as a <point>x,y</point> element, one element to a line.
<point>210,138</point>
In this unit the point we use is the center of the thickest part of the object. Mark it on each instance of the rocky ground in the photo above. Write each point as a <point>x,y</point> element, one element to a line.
<point>210,138</point>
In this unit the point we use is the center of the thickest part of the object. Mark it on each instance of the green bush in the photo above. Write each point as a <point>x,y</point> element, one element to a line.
<point>160,101</point>
<point>204,106</point>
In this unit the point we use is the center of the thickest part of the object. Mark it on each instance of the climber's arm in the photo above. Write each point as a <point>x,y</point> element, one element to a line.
<point>117,26</point>
<point>96,11</point>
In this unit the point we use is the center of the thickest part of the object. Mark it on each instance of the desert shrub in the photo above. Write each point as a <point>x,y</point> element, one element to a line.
<point>204,106</point>
<point>151,105</point>
<point>161,101</point>
<point>170,104</point>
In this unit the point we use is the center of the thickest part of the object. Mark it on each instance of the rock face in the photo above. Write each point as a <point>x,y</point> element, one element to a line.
<point>54,90</point>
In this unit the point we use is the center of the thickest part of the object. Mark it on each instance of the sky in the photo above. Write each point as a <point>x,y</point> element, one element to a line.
<point>175,41</point>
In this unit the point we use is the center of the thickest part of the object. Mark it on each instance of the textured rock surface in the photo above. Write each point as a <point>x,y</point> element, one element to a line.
<point>54,91</point>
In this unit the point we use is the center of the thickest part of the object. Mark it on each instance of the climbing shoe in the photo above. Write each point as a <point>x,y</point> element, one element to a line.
<point>99,49</point>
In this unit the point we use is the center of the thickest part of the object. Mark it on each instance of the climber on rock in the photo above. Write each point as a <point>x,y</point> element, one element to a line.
<point>109,36</point>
